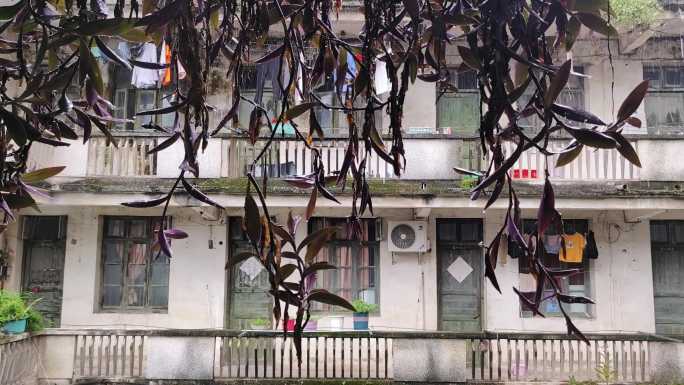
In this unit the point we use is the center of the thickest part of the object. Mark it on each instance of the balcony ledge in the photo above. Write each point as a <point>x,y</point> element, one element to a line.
<point>388,188</point>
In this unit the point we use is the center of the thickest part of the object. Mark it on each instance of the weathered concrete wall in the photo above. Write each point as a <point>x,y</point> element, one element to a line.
<point>429,360</point>
<point>621,278</point>
<point>181,358</point>
<point>621,281</point>
<point>667,362</point>
<point>196,281</point>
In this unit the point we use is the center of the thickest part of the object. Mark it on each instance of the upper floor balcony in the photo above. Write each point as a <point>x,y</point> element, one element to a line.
<point>428,157</point>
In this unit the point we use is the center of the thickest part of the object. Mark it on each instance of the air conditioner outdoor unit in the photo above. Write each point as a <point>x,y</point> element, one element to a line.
<point>407,237</point>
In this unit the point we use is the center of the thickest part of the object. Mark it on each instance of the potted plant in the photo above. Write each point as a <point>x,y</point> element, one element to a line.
<point>361,314</point>
<point>259,324</point>
<point>17,313</point>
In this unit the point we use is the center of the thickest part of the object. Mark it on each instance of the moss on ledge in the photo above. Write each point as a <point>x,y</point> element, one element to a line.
<point>389,187</point>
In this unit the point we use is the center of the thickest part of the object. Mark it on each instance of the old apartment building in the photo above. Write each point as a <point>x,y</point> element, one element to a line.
<point>89,257</point>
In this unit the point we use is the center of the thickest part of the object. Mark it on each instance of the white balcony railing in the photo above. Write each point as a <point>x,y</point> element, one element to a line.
<point>427,158</point>
<point>94,356</point>
<point>128,158</point>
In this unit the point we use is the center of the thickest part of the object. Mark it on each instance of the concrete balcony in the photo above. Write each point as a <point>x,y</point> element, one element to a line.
<point>430,157</point>
<point>158,356</point>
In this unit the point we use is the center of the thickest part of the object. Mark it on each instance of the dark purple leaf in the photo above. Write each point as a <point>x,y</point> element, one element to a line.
<point>558,82</point>
<point>632,101</point>
<point>569,154</point>
<point>148,65</point>
<point>547,214</point>
<point>165,144</point>
<point>142,204</point>
<point>252,219</point>
<point>324,296</point>
<point>164,243</point>
<point>197,194</point>
<point>576,115</point>
<point>175,234</point>
<point>625,148</point>
<point>591,138</point>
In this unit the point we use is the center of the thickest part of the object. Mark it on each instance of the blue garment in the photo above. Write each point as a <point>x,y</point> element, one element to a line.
<point>269,71</point>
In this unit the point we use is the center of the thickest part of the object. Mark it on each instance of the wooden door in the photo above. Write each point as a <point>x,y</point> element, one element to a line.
<point>459,258</point>
<point>44,245</point>
<point>667,255</point>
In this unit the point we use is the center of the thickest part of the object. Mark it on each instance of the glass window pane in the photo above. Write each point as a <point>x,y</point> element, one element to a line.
<point>447,231</point>
<point>113,252</point>
<point>138,228</point>
<point>111,296</point>
<point>136,274</point>
<point>159,296</point>
<point>120,105</point>
<point>167,119</point>
<point>135,295</point>
<point>112,275</point>
<point>672,76</point>
<point>460,111</point>
<point>145,100</point>
<point>664,112</point>
<point>137,253</point>
<point>658,232</point>
<point>467,80</point>
<point>115,227</point>
<point>160,274</point>
<point>470,232</point>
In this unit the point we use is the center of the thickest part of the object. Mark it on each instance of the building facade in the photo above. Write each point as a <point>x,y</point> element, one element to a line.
<point>90,258</point>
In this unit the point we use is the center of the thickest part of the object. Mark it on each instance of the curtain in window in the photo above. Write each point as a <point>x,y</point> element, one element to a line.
<point>355,276</point>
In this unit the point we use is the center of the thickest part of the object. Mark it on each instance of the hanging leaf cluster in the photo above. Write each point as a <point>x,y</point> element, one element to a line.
<point>47,47</point>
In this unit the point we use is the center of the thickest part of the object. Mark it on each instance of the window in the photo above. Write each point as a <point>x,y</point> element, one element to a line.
<point>249,83</point>
<point>664,102</point>
<point>460,110</point>
<point>356,276</point>
<point>577,284</point>
<point>572,96</point>
<point>129,99</point>
<point>249,298</point>
<point>134,276</point>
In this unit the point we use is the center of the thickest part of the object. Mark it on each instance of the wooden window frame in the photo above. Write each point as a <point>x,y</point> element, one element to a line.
<point>586,266</point>
<point>456,95</point>
<point>662,89</point>
<point>355,266</point>
<point>148,240</point>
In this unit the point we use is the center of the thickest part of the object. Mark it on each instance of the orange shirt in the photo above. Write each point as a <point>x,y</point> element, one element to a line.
<point>574,248</point>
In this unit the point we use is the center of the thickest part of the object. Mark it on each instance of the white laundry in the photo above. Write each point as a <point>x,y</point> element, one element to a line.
<point>143,77</point>
<point>382,82</point>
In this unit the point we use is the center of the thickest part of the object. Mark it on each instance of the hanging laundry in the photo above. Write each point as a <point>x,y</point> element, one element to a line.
<point>574,248</point>
<point>124,50</point>
<point>382,82</point>
<point>165,73</point>
<point>143,77</point>
<point>269,71</point>
<point>552,243</point>
<point>100,8</point>
<point>590,249</point>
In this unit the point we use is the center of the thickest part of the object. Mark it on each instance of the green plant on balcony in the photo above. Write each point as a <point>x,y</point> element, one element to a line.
<point>259,323</point>
<point>362,306</point>
<point>17,307</point>
<point>468,182</point>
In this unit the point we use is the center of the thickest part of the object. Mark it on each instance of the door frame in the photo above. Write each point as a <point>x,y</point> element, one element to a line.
<point>25,264</point>
<point>481,304</point>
